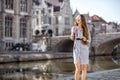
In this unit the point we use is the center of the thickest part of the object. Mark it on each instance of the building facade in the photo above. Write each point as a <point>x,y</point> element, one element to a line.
<point>39,16</point>
<point>54,15</point>
<point>111,27</point>
<point>100,24</point>
<point>15,24</point>
<point>118,28</point>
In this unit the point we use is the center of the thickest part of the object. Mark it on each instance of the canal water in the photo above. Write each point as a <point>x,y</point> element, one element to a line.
<point>52,69</point>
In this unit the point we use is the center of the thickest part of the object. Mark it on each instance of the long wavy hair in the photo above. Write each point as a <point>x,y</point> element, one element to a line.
<point>85,28</point>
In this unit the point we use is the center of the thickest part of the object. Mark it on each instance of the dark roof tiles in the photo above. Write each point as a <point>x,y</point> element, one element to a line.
<point>53,2</point>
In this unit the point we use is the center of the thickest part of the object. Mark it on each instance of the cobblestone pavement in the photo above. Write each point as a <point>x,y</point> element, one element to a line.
<point>105,75</point>
<point>102,75</point>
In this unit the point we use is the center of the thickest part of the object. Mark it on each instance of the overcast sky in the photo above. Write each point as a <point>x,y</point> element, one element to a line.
<point>107,9</point>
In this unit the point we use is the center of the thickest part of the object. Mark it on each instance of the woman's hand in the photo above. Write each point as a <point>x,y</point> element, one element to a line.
<point>73,36</point>
<point>84,38</point>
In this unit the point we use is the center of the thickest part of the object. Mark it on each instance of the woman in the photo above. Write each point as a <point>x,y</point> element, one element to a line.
<point>81,36</point>
<point>44,45</point>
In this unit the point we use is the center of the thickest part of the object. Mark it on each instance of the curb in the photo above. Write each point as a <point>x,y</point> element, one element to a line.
<point>4,58</point>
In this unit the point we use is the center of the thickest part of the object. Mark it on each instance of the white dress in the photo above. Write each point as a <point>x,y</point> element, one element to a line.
<point>80,51</point>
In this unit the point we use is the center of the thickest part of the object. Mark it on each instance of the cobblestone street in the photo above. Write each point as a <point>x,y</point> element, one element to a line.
<point>105,75</point>
<point>102,75</point>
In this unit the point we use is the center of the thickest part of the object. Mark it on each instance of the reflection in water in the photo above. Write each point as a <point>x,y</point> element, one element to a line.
<point>116,54</point>
<point>102,63</point>
<point>50,70</point>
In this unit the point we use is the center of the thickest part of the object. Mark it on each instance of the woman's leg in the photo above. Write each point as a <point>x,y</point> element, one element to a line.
<point>77,70</point>
<point>84,71</point>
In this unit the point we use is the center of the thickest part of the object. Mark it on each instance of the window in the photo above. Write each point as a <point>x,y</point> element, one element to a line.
<point>43,11</point>
<point>37,21</point>
<point>8,26</point>
<point>23,5</point>
<point>57,20</point>
<point>49,10</point>
<point>67,21</point>
<point>8,44</point>
<point>49,20</point>
<point>37,12</point>
<point>66,31</point>
<point>33,11</point>
<point>57,31</point>
<point>9,4</point>
<point>44,19</point>
<point>23,27</point>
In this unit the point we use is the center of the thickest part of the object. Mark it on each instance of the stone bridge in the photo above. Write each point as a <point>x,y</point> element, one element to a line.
<point>102,43</point>
<point>61,43</point>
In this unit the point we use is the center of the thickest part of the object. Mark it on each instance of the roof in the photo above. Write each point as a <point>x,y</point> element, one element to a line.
<point>37,2</point>
<point>96,18</point>
<point>76,13</point>
<point>54,2</point>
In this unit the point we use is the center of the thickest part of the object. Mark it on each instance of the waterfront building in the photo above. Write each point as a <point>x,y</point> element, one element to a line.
<point>111,27</point>
<point>118,28</point>
<point>15,27</point>
<point>53,15</point>
<point>100,24</point>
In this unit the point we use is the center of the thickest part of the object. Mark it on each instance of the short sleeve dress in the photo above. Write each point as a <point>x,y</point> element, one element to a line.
<point>80,51</point>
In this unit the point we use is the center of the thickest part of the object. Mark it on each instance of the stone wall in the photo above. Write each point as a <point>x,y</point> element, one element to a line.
<point>102,43</point>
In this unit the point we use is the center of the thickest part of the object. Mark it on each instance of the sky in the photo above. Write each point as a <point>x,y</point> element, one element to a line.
<point>109,10</point>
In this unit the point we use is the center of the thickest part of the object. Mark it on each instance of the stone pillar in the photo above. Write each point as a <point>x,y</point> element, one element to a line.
<point>29,26</point>
<point>16,20</point>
